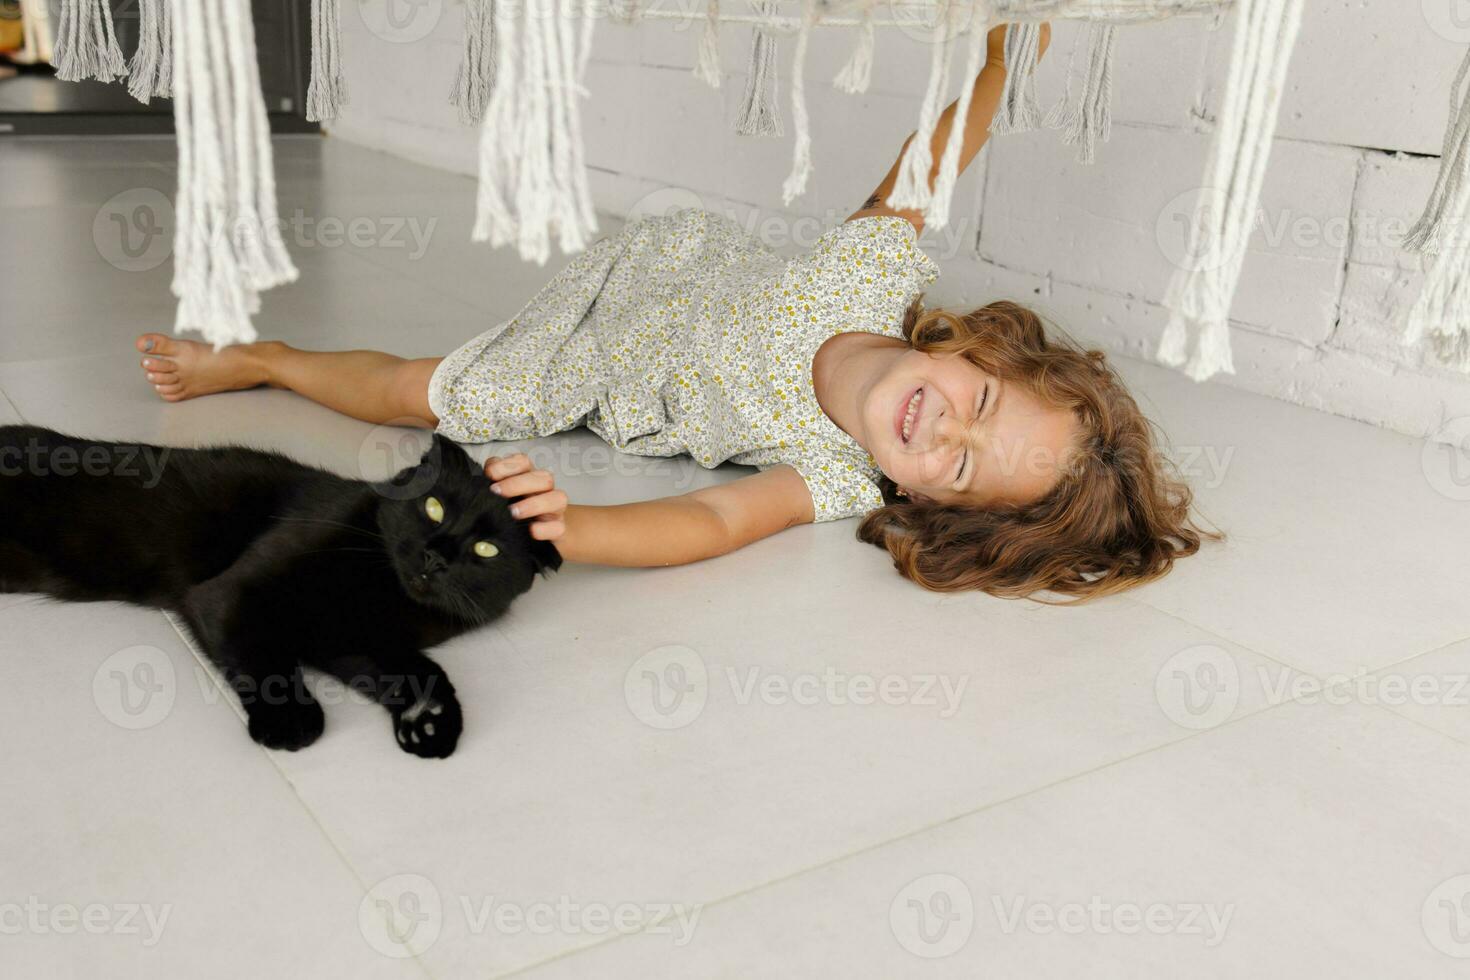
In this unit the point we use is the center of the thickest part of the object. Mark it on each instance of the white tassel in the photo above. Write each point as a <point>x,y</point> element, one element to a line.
<point>937,215</point>
<point>1064,111</point>
<point>1200,292</point>
<point>86,44</point>
<point>801,164</point>
<point>327,91</point>
<point>760,112</point>
<point>532,174</point>
<point>1454,168</point>
<point>1093,118</point>
<point>1019,110</point>
<point>227,245</point>
<point>708,68</point>
<point>855,76</point>
<point>150,70</point>
<point>911,189</point>
<point>1442,309</point>
<point>476,74</point>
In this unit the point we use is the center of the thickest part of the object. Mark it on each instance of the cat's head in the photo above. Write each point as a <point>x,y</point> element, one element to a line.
<point>454,543</point>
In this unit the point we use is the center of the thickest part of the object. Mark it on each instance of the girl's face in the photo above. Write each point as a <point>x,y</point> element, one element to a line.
<point>949,432</point>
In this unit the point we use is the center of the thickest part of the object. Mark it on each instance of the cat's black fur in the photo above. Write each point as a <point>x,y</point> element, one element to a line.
<point>274,564</point>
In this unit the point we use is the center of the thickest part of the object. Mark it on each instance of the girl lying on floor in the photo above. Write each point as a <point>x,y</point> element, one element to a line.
<point>980,452</point>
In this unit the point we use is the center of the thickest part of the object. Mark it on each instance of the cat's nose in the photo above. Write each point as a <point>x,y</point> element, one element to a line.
<point>433,562</point>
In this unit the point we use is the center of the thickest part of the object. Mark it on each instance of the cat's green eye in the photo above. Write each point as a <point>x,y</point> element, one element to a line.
<point>434,509</point>
<point>486,549</point>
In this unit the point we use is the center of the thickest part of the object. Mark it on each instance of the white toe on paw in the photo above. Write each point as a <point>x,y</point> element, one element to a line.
<point>429,728</point>
<point>419,707</point>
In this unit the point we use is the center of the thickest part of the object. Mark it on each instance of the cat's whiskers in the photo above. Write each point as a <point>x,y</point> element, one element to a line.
<point>330,523</point>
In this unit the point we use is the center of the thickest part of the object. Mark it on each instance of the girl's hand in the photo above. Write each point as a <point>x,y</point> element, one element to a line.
<point>512,476</point>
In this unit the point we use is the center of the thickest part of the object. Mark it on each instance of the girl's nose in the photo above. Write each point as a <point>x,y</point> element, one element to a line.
<point>949,432</point>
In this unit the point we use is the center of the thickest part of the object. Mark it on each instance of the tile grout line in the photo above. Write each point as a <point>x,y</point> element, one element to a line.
<point>519,971</point>
<point>916,832</point>
<point>1219,636</point>
<point>311,814</point>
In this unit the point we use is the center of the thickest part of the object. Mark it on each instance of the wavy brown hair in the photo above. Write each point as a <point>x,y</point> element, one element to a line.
<point>1118,515</point>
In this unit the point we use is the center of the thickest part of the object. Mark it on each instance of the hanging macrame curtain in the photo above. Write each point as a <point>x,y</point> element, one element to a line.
<point>521,79</point>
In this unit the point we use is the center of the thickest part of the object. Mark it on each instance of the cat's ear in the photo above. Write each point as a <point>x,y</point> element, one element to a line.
<point>545,556</point>
<point>444,455</point>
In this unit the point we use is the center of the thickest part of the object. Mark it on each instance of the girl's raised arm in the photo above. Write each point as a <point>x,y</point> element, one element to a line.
<point>984,99</point>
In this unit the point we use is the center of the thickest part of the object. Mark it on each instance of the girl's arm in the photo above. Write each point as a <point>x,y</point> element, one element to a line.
<point>984,99</point>
<point>670,531</point>
<point>692,526</point>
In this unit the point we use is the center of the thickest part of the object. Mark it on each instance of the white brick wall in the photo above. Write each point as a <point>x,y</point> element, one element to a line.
<point>1324,285</point>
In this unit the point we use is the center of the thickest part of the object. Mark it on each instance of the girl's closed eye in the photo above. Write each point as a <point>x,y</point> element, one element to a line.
<point>965,459</point>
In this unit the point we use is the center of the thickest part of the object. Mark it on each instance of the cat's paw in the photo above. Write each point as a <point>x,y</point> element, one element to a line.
<point>430,727</point>
<point>288,725</point>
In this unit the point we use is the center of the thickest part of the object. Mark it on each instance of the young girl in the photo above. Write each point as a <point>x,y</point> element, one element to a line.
<point>984,454</point>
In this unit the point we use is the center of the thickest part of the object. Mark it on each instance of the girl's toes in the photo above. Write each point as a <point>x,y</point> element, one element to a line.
<point>159,364</point>
<point>169,391</point>
<point>155,343</point>
<point>163,378</point>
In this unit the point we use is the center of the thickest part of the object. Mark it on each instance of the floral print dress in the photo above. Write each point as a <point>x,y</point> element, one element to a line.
<point>685,334</point>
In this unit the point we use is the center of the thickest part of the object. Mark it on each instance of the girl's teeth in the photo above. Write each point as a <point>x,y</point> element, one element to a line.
<point>908,419</point>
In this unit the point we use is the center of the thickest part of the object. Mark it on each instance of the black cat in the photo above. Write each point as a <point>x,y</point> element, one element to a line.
<point>274,565</point>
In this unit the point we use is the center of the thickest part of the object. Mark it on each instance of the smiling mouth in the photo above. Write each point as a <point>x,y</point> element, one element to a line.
<point>907,415</point>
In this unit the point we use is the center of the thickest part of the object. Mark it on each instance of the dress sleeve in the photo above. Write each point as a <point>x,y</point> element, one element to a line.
<point>870,266</point>
<point>838,487</point>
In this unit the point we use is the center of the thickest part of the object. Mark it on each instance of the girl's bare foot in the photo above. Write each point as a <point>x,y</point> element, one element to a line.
<point>179,369</point>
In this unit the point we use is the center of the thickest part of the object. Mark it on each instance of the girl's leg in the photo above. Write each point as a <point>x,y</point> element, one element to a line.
<point>364,384</point>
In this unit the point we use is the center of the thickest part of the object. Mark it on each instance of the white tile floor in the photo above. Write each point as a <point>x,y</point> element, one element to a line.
<point>1257,765</point>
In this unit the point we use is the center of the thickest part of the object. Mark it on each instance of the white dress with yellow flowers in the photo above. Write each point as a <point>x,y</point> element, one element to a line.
<point>684,333</point>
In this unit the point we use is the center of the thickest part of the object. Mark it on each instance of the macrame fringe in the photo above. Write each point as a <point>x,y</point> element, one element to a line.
<point>1019,110</point>
<point>1454,167</point>
<point>937,215</point>
<point>1199,294</point>
<point>760,112</point>
<point>327,91</point>
<point>1090,118</point>
<point>1442,309</point>
<point>707,69</point>
<point>86,44</point>
<point>801,164</point>
<point>476,74</point>
<point>227,241</point>
<point>911,189</point>
<point>533,178</point>
<point>150,70</point>
<point>855,76</point>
